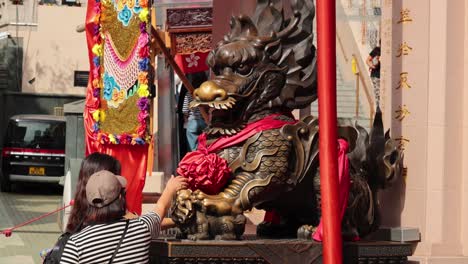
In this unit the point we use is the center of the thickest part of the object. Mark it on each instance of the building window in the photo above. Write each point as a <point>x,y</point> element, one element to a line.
<point>71,2</point>
<point>17,2</point>
<point>377,11</point>
<point>48,2</point>
<point>81,78</point>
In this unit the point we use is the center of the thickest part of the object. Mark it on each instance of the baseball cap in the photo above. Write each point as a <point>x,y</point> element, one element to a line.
<point>103,188</point>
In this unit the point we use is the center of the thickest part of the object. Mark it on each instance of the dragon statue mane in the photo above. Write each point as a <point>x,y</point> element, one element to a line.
<point>264,65</point>
<point>265,68</point>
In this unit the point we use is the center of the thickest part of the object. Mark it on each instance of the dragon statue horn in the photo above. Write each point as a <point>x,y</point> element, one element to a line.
<point>242,27</point>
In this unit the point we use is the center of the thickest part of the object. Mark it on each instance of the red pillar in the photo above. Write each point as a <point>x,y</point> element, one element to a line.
<point>326,33</point>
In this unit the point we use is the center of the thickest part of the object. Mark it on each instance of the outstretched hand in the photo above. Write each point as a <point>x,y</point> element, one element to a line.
<point>173,185</point>
<point>176,183</point>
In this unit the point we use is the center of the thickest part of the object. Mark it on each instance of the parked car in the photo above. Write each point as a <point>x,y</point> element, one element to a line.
<point>33,150</point>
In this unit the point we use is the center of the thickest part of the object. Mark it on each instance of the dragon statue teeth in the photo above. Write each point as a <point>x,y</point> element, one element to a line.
<point>266,67</point>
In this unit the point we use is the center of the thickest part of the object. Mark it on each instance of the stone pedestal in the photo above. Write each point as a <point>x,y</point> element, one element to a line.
<point>274,251</point>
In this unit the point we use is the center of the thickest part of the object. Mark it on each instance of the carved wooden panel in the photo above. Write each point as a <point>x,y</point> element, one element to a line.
<point>186,43</point>
<point>190,29</point>
<point>189,17</point>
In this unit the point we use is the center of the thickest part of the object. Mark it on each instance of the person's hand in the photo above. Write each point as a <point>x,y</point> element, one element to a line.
<point>176,183</point>
<point>164,202</point>
<point>130,215</point>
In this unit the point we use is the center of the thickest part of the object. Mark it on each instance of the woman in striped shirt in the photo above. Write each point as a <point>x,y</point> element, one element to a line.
<point>107,237</point>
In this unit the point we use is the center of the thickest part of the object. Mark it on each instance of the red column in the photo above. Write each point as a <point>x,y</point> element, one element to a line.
<point>326,33</point>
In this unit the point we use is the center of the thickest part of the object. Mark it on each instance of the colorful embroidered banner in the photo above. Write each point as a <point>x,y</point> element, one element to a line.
<point>117,105</point>
<point>120,76</point>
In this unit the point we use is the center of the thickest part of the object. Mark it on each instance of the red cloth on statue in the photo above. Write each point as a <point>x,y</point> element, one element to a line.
<point>272,217</point>
<point>207,171</point>
<point>132,158</point>
<point>344,184</point>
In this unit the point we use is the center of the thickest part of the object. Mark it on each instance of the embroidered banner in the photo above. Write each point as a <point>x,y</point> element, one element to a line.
<point>117,104</point>
<point>120,76</point>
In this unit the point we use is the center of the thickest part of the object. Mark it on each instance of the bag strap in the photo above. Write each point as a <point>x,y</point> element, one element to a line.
<point>78,227</point>
<point>120,242</point>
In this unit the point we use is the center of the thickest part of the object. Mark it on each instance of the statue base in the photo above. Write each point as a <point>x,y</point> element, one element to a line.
<point>274,251</point>
<point>397,234</point>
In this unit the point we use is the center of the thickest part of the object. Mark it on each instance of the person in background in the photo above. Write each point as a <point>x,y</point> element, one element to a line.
<point>107,236</point>
<point>373,61</point>
<point>195,123</point>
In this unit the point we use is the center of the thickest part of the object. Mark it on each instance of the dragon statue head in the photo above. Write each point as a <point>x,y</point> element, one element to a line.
<point>264,65</point>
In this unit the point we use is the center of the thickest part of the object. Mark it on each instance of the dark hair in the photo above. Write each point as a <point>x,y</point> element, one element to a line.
<point>197,78</point>
<point>113,211</point>
<point>91,164</point>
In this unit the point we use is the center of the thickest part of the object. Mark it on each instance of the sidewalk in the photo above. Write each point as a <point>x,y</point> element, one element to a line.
<point>24,245</point>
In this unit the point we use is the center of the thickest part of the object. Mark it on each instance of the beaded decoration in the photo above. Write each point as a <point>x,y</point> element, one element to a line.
<point>120,75</point>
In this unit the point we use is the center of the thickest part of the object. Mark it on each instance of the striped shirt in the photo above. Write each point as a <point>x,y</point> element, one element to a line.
<point>193,113</point>
<point>97,243</point>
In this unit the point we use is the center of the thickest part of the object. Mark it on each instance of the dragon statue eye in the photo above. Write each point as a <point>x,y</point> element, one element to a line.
<point>217,70</point>
<point>244,70</point>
